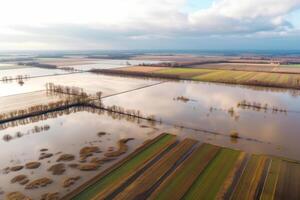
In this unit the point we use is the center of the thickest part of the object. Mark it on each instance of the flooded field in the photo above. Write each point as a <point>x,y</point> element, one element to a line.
<point>91,83</point>
<point>12,102</point>
<point>66,134</point>
<point>109,64</point>
<point>214,108</point>
<point>87,64</point>
<point>206,112</point>
<point>9,66</point>
<point>69,132</point>
<point>30,71</point>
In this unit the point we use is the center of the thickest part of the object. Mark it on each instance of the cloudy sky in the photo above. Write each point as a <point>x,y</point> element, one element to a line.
<point>149,24</point>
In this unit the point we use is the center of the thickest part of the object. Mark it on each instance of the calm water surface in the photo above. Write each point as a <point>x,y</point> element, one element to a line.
<point>208,109</point>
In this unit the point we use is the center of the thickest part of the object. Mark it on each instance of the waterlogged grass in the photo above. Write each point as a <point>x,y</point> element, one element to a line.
<point>211,180</point>
<point>129,167</point>
<point>182,179</point>
<point>268,192</point>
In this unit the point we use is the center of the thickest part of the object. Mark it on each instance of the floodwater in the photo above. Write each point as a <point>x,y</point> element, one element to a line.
<point>208,109</point>
<point>69,132</point>
<point>30,71</point>
<point>91,83</point>
<point>25,100</point>
<point>6,66</point>
<point>109,64</point>
<point>66,134</point>
<point>202,114</point>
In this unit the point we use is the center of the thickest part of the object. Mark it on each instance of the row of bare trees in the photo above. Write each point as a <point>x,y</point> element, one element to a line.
<point>129,112</point>
<point>49,115</point>
<point>52,88</point>
<point>258,106</point>
<point>76,97</point>
<point>18,78</point>
<point>38,109</point>
<point>35,129</point>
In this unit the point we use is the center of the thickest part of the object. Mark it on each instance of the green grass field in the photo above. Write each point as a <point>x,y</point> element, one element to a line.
<point>129,167</point>
<point>211,180</point>
<point>181,180</point>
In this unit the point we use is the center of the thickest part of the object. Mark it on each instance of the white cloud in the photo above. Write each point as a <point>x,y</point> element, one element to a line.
<point>61,21</point>
<point>244,16</point>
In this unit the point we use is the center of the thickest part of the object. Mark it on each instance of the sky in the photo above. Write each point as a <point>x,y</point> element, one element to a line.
<point>149,24</point>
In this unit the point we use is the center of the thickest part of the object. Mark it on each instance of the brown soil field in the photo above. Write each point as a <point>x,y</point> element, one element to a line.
<point>189,58</point>
<point>141,68</point>
<point>249,67</point>
<point>68,61</point>
<point>238,66</point>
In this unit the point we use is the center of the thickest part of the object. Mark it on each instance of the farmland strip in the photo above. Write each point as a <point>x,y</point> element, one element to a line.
<point>209,182</point>
<point>231,180</point>
<point>237,177</point>
<point>288,186</point>
<point>268,192</point>
<point>180,181</point>
<point>117,174</point>
<point>249,181</point>
<point>262,179</point>
<point>139,188</point>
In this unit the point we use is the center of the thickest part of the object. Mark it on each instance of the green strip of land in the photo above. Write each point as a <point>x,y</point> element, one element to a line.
<point>179,182</point>
<point>120,174</point>
<point>211,180</point>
